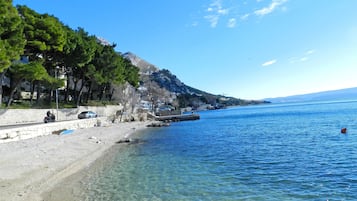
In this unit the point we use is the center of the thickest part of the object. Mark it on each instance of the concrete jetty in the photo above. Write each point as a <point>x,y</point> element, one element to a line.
<point>175,118</point>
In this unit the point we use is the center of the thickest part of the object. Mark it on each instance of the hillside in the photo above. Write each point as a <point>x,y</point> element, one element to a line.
<point>144,66</point>
<point>164,87</point>
<point>334,95</point>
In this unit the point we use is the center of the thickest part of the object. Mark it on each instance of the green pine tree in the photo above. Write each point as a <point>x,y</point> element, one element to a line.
<point>11,37</point>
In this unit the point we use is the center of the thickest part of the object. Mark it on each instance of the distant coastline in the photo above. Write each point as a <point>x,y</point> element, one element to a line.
<point>333,95</point>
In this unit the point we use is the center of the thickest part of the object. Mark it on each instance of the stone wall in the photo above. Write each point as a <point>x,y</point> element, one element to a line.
<point>23,116</point>
<point>28,123</point>
<point>31,131</point>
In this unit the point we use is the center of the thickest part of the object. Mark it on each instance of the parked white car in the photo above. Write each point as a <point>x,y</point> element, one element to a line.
<point>87,115</point>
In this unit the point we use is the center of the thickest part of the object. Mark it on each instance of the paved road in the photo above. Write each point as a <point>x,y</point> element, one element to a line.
<point>27,124</point>
<point>19,125</point>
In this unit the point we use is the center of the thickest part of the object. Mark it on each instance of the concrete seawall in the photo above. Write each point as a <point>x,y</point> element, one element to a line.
<point>19,124</point>
<point>65,119</point>
<point>22,116</point>
<point>31,131</point>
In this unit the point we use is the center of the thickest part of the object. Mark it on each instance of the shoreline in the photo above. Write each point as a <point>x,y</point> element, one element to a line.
<point>32,167</point>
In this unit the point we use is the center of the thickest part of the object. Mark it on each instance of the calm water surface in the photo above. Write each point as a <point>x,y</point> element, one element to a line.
<point>270,152</point>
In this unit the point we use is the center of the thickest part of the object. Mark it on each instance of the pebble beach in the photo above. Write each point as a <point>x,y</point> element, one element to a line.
<point>29,168</point>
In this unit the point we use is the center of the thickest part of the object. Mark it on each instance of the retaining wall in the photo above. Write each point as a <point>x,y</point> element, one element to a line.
<point>67,120</point>
<point>22,116</point>
<point>26,132</point>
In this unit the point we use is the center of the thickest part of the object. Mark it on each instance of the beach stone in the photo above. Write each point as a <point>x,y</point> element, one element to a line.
<point>125,140</point>
<point>158,124</point>
<point>129,141</point>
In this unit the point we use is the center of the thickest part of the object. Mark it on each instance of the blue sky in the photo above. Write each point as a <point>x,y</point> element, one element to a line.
<point>251,49</point>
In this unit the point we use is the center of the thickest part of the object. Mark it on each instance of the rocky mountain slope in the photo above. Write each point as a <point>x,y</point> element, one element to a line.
<point>144,66</point>
<point>162,86</point>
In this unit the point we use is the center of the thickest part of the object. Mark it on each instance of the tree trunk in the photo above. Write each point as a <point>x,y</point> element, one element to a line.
<point>75,95</point>
<point>37,84</point>
<point>66,94</point>
<point>50,95</point>
<point>111,94</point>
<point>79,96</point>
<point>2,75</point>
<point>102,93</point>
<point>32,92</point>
<point>13,90</point>
<point>89,92</point>
<point>11,97</point>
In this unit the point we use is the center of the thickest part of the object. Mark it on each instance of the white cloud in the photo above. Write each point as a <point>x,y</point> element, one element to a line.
<point>222,11</point>
<point>232,23</point>
<point>213,19</point>
<point>309,52</point>
<point>302,59</point>
<point>298,60</point>
<point>272,6</point>
<point>305,57</point>
<point>268,63</point>
<point>216,11</point>
<point>244,17</point>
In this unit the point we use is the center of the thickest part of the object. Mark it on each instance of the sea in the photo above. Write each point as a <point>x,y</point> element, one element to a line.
<point>279,152</point>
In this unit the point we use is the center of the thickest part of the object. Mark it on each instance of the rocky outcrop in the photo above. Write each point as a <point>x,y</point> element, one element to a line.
<point>165,79</point>
<point>144,66</point>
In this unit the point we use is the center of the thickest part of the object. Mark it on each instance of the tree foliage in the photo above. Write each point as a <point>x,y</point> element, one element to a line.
<point>11,38</point>
<point>20,72</point>
<point>44,34</point>
<point>53,49</point>
<point>11,34</point>
<point>131,73</point>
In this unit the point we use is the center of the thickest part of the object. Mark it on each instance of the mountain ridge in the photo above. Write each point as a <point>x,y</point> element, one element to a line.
<point>330,95</point>
<point>162,84</point>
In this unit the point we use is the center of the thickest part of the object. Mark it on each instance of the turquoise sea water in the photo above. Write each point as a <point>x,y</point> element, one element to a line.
<point>269,152</point>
